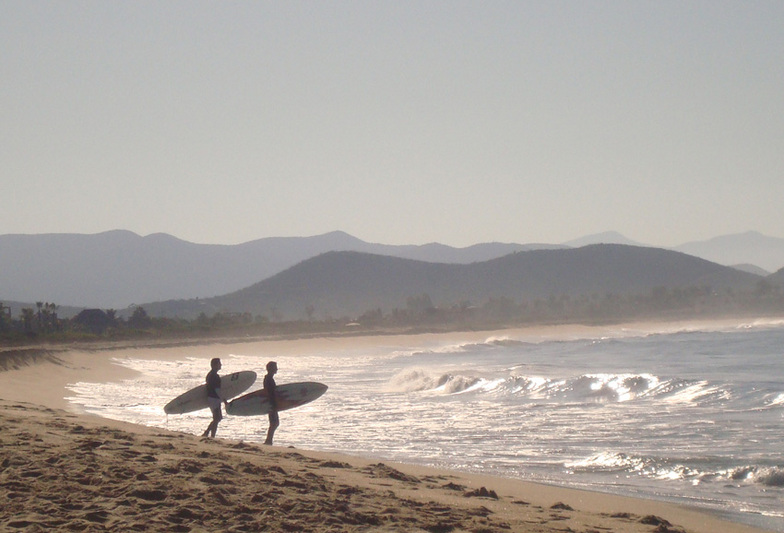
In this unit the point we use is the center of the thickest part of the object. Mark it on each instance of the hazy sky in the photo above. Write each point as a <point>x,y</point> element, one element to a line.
<point>398,122</point>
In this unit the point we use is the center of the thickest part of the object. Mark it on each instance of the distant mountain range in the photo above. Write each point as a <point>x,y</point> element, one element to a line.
<point>750,248</point>
<point>339,284</point>
<point>118,268</point>
<point>608,237</point>
<point>750,251</point>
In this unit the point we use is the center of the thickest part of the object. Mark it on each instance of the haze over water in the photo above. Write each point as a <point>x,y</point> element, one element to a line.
<point>692,416</point>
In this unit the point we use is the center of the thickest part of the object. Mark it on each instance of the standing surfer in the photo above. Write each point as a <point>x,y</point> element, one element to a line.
<point>214,398</point>
<point>269,386</point>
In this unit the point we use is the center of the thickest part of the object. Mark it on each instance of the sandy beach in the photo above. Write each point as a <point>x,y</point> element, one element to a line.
<point>62,470</point>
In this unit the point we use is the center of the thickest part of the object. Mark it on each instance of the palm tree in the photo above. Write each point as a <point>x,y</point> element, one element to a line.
<point>49,317</point>
<point>39,305</point>
<point>5,320</point>
<point>27,319</point>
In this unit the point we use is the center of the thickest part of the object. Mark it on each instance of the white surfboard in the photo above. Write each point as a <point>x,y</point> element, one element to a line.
<point>288,396</point>
<point>196,398</point>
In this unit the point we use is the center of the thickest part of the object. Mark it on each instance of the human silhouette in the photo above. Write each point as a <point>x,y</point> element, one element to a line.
<point>270,387</point>
<point>214,398</point>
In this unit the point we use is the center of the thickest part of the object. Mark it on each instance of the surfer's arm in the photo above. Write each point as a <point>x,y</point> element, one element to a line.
<point>225,402</point>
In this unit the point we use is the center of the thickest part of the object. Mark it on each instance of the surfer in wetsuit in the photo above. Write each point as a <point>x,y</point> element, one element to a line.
<point>214,398</point>
<point>269,386</point>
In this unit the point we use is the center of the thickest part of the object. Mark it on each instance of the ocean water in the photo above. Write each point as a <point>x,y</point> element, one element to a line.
<point>693,416</point>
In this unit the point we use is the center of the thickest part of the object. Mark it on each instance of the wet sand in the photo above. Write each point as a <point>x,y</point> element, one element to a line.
<point>61,470</point>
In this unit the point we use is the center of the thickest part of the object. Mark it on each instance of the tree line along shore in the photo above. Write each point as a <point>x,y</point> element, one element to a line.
<point>41,323</point>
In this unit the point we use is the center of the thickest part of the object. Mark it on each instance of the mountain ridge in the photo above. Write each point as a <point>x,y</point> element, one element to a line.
<point>750,247</point>
<point>338,284</point>
<point>118,268</point>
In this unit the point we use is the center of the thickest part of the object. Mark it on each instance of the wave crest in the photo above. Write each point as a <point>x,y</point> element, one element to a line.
<point>663,469</point>
<point>585,388</point>
<point>417,380</point>
<point>769,476</point>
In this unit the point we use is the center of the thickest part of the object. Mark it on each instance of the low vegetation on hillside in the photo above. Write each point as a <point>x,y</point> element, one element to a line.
<point>421,313</point>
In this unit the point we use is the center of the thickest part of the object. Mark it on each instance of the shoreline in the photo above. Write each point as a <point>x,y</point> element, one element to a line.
<point>37,388</point>
<point>59,365</point>
<point>88,475</point>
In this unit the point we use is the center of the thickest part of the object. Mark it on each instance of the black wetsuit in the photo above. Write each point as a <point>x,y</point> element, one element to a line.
<point>213,384</point>
<point>274,419</point>
<point>214,401</point>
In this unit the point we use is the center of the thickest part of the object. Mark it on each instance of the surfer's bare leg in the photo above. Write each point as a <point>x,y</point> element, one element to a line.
<point>274,423</point>
<point>217,416</point>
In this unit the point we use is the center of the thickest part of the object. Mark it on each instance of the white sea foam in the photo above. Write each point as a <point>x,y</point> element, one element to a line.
<point>778,401</point>
<point>692,417</point>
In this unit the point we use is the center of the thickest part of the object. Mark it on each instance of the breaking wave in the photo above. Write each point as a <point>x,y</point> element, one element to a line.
<point>490,343</point>
<point>662,469</point>
<point>584,388</point>
<point>415,380</point>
